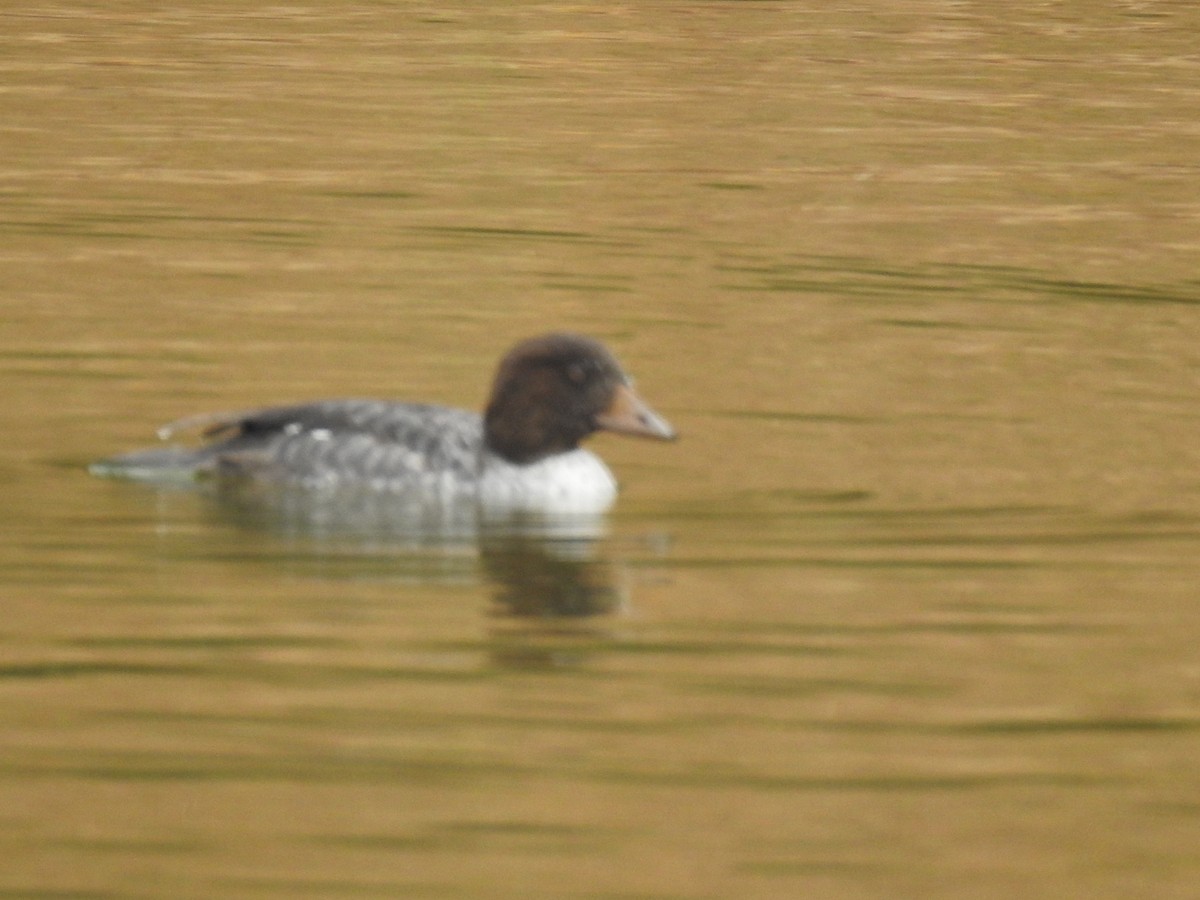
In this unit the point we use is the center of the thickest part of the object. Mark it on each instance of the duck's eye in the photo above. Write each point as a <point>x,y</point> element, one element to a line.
<point>577,373</point>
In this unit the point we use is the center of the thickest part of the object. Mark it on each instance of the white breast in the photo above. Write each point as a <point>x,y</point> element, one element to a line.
<point>575,483</point>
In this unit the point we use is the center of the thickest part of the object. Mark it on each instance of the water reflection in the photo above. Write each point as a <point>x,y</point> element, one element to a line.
<point>396,519</point>
<point>541,567</point>
<point>545,578</point>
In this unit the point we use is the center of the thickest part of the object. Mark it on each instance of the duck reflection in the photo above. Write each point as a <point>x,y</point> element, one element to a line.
<point>551,601</point>
<point>536,577</point>
<point>542,568</point>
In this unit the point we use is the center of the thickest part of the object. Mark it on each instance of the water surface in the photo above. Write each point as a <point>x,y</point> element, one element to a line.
<point>909,612</point>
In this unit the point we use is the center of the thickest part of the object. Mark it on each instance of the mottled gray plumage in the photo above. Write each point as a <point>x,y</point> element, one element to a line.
<point>385,445</point>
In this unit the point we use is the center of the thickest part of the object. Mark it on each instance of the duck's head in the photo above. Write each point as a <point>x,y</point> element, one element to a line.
<point>552,391</point>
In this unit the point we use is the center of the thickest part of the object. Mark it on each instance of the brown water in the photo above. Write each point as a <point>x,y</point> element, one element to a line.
<point>911,611</point>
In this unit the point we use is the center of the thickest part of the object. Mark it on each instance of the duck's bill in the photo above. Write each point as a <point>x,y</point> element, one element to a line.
<point>630,414</point>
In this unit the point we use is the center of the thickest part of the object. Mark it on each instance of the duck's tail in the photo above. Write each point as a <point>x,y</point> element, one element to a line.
<point>157,464</point>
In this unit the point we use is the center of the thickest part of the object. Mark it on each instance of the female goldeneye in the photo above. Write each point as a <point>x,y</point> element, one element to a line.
<point>522,454</point>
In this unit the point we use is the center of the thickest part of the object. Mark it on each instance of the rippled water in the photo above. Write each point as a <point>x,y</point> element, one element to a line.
<point>909,612</point>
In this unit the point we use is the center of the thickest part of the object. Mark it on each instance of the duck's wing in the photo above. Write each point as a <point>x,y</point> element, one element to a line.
<point>370,416</point>
<point>338,441</point>
<point>385,444</point>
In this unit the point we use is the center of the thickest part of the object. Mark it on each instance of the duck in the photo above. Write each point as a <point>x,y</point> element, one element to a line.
<point>522,454</point>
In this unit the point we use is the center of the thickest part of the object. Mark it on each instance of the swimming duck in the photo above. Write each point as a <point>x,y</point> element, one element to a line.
<point>522,454</point>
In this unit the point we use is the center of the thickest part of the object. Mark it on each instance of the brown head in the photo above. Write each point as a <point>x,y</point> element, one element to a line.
<point>552,391</point>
